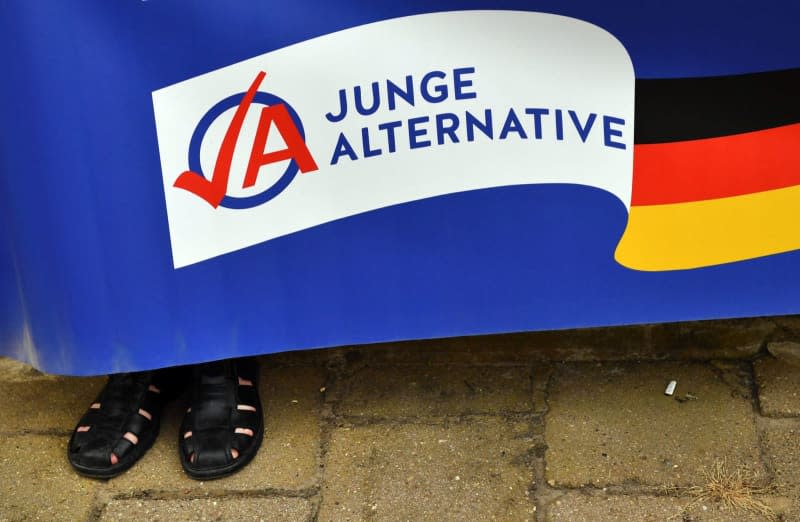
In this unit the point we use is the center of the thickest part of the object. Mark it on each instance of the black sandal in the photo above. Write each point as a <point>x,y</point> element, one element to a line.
<point>223,428</point>
<point>120,426</point>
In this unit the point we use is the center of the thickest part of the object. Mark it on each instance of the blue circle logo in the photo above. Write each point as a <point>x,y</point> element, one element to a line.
<point>262,98</point>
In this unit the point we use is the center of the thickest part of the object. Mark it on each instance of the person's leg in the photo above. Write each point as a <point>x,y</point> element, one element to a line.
<point>223,427</point>
<point>122,423</point>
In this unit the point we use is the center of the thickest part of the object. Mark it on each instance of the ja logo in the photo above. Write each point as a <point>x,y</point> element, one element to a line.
<point>275,111</point>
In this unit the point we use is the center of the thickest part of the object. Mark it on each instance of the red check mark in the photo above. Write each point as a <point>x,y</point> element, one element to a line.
<point>214,191</point>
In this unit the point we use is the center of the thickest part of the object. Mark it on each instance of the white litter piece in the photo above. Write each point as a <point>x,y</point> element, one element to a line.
<point>670,388</point>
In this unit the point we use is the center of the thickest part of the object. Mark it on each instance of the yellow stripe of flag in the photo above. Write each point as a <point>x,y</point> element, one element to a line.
<point>711,232</point>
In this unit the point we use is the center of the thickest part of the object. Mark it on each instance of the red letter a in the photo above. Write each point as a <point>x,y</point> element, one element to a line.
<point>295,146</point>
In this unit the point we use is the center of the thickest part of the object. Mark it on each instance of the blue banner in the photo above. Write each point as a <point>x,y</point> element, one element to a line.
<point>188,181</point>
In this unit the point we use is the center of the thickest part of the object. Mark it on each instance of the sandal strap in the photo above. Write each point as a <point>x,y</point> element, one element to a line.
<point>214,416</point>
<point>212,448</point>
<point>213,395</point>
<point>123,396</point>
<point>122,447</point>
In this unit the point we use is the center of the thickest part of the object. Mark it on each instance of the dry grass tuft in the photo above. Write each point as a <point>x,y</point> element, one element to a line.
<point>736,489</point>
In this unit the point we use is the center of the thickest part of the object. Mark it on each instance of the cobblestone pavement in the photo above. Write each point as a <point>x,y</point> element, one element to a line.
<point>554,426</point>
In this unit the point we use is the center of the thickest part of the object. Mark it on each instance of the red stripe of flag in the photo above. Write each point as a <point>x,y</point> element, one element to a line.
<point>712,168</point>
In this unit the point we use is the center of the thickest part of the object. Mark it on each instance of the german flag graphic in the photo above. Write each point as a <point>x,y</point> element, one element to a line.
<point>716,175</point>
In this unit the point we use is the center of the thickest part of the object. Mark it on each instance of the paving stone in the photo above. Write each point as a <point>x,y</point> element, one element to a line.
<point>15,371</point>
<point>625,342</point>
<point>788,328</point>
<point>581,507</point>
<point>423,391</point>
<point>287,459</point>
<point>719,339</point>
<point>37,482</point>
<point>469,470</point>
<point>786,351</point>
<point>725,339</point>
<point>778,387</point>
<point>46,404</point>
<point>196,510</point>
<point>781,438</point>
<point>612,424</point>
